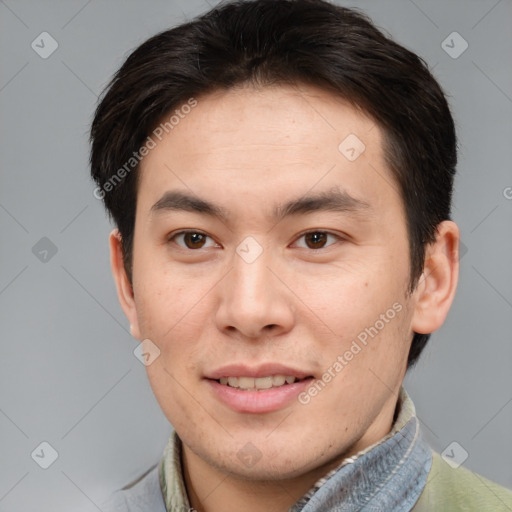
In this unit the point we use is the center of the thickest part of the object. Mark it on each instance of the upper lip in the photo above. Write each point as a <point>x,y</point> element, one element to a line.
<point>262,370</point>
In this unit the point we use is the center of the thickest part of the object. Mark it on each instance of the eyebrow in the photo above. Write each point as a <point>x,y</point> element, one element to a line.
<point>333,200</point>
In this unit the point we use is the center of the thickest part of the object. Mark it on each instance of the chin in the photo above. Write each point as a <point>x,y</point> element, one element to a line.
<point>281,468</point>
<point>260,460</point>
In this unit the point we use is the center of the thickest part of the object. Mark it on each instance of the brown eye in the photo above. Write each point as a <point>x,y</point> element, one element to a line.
<point>194,240</point>
<point>190,239</point>
<point>317,239</point>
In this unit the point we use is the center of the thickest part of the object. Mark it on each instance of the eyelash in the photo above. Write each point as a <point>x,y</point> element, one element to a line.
<point>184,232</point>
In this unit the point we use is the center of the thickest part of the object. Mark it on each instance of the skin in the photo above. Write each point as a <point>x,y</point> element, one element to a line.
<point>249,150</point>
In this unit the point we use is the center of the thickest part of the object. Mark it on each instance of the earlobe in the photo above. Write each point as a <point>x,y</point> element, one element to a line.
<point>123,285</point>
<point>437,285</point>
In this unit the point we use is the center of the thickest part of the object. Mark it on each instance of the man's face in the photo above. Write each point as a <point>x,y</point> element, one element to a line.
<point>254,295</point>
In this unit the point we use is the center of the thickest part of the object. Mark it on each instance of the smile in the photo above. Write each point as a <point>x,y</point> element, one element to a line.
<point>258,384</point>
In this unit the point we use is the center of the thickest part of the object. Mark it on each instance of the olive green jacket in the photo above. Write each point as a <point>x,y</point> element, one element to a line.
<point>461,490</point>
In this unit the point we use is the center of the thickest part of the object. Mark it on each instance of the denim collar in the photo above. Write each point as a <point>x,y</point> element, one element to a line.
<point>387,476</point>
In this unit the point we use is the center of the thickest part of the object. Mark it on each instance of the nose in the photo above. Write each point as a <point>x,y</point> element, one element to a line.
<point>253,301</point>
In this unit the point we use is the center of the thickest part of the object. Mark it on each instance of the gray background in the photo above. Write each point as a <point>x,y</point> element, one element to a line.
<point>68,375</point>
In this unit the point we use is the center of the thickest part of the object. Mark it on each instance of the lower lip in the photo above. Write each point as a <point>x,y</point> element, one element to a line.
<point>267,400</point>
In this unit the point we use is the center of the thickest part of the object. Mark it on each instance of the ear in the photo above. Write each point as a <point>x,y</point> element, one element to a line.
<point>437,285</point>
<point>123,285</point>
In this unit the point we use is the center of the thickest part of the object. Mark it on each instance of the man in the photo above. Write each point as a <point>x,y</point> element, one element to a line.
<point>280,174</point>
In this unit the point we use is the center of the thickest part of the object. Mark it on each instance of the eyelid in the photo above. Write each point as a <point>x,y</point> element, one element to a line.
<point>339,237</point>
<point>174,234</point>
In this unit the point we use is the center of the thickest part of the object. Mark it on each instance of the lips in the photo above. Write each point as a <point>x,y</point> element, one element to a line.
<point>256,372</point>
<point>257,401</point>
<point>265,396</point>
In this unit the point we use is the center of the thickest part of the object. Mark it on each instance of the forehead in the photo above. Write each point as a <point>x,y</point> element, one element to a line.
<point>277,117</point>
<point>269,140</point>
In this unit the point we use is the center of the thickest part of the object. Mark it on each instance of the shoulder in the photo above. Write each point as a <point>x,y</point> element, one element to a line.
<point>454,490</point>
<point>139,496</point>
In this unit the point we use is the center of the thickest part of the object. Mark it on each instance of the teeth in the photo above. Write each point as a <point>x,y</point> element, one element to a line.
<point>279,380</point>
<point>259,383</point>
<point>263,383</point>
<point>246,382</point>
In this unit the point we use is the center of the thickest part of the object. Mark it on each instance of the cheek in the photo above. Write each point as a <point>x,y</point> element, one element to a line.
<point>351,297</point>
<point>161,298</point>
<point>365,318</point>
<point>173,312</point>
